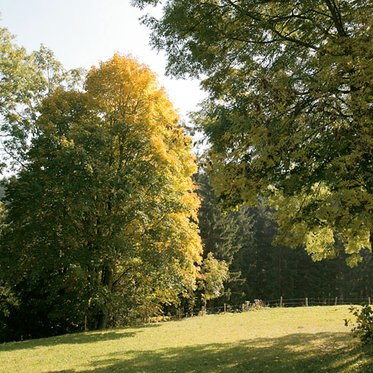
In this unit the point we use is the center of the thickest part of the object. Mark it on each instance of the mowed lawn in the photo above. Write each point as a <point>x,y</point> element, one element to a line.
<point>312,339</point>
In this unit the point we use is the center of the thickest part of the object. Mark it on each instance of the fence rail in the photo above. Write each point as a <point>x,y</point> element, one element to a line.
<point>256,304</point>
<point>280,302</point>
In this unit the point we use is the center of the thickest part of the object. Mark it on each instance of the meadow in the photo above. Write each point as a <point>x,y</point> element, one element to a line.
<point>270,340</point>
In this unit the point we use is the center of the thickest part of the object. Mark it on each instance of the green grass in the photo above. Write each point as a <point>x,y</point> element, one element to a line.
<point>280,340</point>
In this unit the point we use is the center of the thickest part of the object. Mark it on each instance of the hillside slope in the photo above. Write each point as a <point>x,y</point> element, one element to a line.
<point>280,340</point>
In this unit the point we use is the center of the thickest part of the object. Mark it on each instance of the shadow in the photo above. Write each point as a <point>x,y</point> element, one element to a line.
<point>304,353</point>
<point>75,338</point>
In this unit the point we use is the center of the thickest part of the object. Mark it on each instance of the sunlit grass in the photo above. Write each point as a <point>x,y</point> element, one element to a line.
<point>280,340</point>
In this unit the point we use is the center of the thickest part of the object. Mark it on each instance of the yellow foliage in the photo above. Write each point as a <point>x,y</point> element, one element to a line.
<point>130,100</point>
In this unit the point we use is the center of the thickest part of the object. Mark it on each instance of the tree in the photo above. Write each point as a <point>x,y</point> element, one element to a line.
<point>25,80</point>
<point>289,115</point>
<point>213,275</point>
<point>260,270</point>
<point>102,220</point>
<point>218,231</point>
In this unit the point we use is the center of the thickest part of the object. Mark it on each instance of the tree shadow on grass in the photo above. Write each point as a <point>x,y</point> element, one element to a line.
<point>305,353</point>
<point>75,338</point>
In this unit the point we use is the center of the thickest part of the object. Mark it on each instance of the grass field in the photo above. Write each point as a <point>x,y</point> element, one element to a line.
<point>312,339</point>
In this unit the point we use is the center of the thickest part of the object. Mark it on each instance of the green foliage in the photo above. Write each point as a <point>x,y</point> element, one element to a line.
<point>219,231</point>
<point>219,234</point>
<point>25,80</point>
<point>258,269</point>
<point>289,114</point>
<point>214,273</point>
<point>7,300</point>
<point>101,220</point>
<point>363,325</point>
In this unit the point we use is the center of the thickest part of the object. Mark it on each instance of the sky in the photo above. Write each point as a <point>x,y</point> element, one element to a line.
<point>82,33</point>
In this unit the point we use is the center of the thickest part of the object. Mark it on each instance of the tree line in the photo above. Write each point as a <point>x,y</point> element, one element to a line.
<point>260,270</point>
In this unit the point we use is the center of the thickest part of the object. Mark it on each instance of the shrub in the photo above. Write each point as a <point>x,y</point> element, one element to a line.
<point>362,328</point>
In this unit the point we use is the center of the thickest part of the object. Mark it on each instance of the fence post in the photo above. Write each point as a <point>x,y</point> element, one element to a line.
<point>243,307</point>
<point>306,302</point>
<point>336,301</point>
<point>225,308</point>
<point>204,307</point>
<point>179,313</point>
<point>369,301</point>
<point>281,301</point>
<point>85,323</point>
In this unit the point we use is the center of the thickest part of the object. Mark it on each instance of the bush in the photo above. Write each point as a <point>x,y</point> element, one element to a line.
<point>363,326</point>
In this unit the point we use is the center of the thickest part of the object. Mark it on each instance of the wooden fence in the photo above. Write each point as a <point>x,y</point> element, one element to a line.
<point>280,302</point>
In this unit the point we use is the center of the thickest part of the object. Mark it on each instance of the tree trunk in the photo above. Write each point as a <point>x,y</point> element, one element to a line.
<point>102,319</point>
<point>107,281</point>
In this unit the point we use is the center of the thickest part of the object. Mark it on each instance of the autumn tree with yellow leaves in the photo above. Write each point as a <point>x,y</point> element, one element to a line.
<point>101,223</point>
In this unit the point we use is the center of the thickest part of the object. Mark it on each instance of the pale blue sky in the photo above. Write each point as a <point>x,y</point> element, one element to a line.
<point>83,32</point>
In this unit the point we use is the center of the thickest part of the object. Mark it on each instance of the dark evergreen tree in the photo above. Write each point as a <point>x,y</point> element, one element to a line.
<point>244,238</point>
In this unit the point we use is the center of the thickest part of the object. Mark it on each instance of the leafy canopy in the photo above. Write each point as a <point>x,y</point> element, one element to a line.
<point>25,80</point>
<point>102,219</point>
<point>290,108</point>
